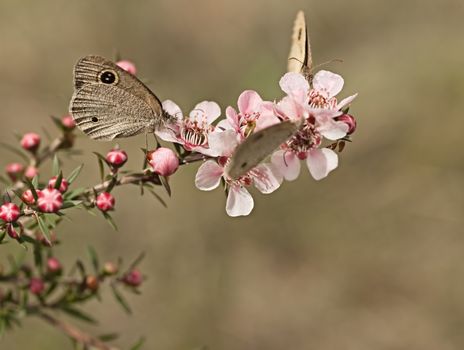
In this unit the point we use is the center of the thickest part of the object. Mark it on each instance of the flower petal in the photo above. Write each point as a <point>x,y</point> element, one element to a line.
<point>267,117</point>
<point>287,163</point>
<point>295,85</point>
<point>207,111</point>
<point>328,83</point>
<point>173,109</point>
<point>321,162</point>
<point>249,102</point>
<point>345,102</point>
<point>266,178</point>
<point>239,201</point>
<point>222,143</point>
<point>168,134</point>
<point>208,176</point>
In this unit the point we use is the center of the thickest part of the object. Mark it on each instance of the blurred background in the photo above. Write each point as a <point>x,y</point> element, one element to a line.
<point>370,258</point>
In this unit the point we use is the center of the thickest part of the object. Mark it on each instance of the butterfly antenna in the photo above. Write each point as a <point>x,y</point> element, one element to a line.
<point>338,60</point>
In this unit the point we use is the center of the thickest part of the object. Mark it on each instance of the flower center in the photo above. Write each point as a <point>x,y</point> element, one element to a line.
<point>318,100</point>
<point>305,139</point>
<point>195,134</point>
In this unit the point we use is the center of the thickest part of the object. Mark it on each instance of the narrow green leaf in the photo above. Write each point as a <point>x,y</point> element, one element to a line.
<point>58,181</point>
<point>38,258</point>
<point>74,193</point>
<point>57,122</point>
<point>79,314</point>
<point>137,261</point>
<point>94,259</point>
<point>43,228</point>
<point>15,151</point>
<point>56,166</point>
<point>70,204</point>
<point>108,337</point>
<point>74,174</point>
<point>158,197</point>
<point>120,299</point>
<point>165,183</point>
<point>35,181</point>
<point>139,344</point>
<point>2,236</point>
<point>102,169</point>
<point>110,221</point>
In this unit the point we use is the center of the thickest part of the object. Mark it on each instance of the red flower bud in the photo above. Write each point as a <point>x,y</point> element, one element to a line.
<point>105,201</point>
<point>36,285</point>
<point>163,161</point>
<point>91,282</point>
<point>30,141</point>
<point>31,172</point>
<point>349,120</point>
<point>128,66</point>
<point>50,200</point>
<point>68,122</point>
<point>9,212</point>
<point>116,157</point>
<point>63,185</point>
<point>133,278</point>
<point>14,171</point>
<point>14,232</point>
<point>28,198</point>
<point>53,265</point>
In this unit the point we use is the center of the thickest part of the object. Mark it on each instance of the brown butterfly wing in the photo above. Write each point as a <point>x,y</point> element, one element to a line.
<point>299,58</point>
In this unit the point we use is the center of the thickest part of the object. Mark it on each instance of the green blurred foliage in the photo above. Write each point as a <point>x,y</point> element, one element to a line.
<point>369,258</point>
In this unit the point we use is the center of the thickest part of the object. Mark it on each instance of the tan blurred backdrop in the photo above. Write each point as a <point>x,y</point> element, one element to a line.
<point>370,258</point>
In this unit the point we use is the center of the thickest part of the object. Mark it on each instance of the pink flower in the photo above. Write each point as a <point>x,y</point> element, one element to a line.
<point>116,157</point>
<point>128,66</point>
<point>28,197</point>
<point>9,212</point>
<point>133,278</point>
<point>105,201</point>
<point>14,171</point>
<point>36,285</point>
<point>53,265</point>
<point>63,185</point>
<point>31,172</point>
<point>68,122</point>
<point>30,141</point>
<point>50,200</point>
<point>192,132</point>
<point>253,114</point>
<point>163,161</point>
<point>239,201</point>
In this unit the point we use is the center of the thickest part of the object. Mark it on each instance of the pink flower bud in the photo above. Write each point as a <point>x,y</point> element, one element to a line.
<point>128,66</point>
<point>28,198</point>
<point>31,172</point>
<point>36,285</point>
<point>50,200</point>
<point>349,120</point>
<point>116,157</point>
<point>163,161</point>
<point>110,268</point>
<point>9,212</point>
<point>105,201</point>
<point>53,265</point>
<point>68,122</point>
<point>63,185</point>
<point>14,171</point>
<point>30,141</point>
<point>133,278</point>
<point>14,232</point>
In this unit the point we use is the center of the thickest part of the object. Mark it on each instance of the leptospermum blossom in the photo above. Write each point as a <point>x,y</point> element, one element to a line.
<point>191,132</point>
<point>239,200</point>
<point>319,109</point>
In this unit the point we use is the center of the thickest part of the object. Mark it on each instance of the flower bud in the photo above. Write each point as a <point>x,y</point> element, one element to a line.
<point>36,286</point>
<point>105,201</point>
<point>14,171</point>
<point>50,200</point>
<point>133,278</point>
<point>349,120</point>
<point>116,157</point>
<point>63,185</point>
<point>14,232</point>
<point>53,265</point>
<point>31,172</point>
<point>163,161</point>
<point>91,282</point>
<point>30,141</point>
<point>128,66</point>
<point>110,268</point>
<point>9,212</point>
<point>68,122</point>
<point>28,197</point>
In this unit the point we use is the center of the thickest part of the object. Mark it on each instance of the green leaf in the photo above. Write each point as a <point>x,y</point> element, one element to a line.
<point>102,169</point>
<point>43,228</point>
<point>158,197</point>
<point>57,122</point>
<point>94,259</point>
<point>120,299</point>
<point>58,181</point>
<point>38,258</point>
<point>74,174</point>
<point>56,166</point>
<point>2,236</point>
<point>108,337</point>
<point>137,261</point>
<point>139,344</point>
<point>165,183</point>
<point>110,221</point>
<point>31,186</point>
<point>74,193</point>
<point>15,151</point>
<point>70,204</point>
<point>78,314</point>
<point>35,181</point>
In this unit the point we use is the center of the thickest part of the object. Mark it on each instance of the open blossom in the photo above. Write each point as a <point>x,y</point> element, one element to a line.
<point>50,200</point>
<point>253,114</point>
<point>239,200</point>
<point>192,132</point>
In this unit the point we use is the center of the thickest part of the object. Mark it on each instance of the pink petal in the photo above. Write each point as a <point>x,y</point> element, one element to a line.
<point>208,176</point>
<point>207,110</point>
<point>239,201</point>
<point>289,108</point>
<point>249,102</point>
<point>173,109</point>
<point>232,118</point>
<point>346,101</point>
<point>266,178</point>
<point>321,162</point>
<point>287,163</point>
<point>327,125</point>
<point>268,116</point>
<point>168,134</point>
<point>328,83</point>
<point>295,85</point>
<point>222,143</point>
